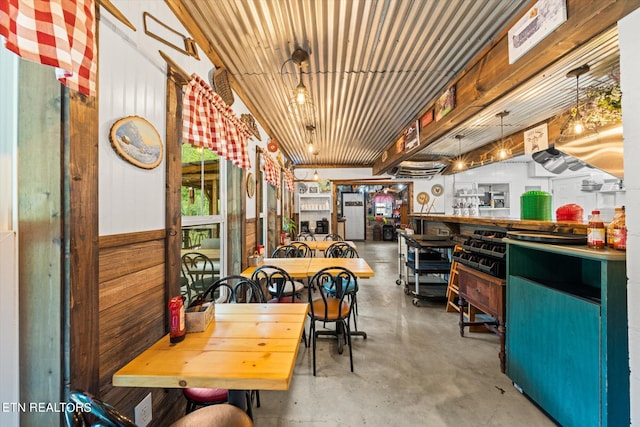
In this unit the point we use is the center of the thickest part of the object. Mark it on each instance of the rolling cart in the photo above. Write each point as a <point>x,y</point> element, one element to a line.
<point>426,258</point>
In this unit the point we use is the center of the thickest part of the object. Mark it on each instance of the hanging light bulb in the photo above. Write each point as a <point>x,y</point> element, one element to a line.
<point>575,125</point>
<point>315,175</point>
<point>459,163</point>
<point>301,92</point>
<point>504,149</point>
<point>311,148</point>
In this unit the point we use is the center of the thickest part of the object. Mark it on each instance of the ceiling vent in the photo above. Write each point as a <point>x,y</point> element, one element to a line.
<point>417,170</point>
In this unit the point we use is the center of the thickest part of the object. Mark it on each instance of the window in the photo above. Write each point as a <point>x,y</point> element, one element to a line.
<point>203,203</point>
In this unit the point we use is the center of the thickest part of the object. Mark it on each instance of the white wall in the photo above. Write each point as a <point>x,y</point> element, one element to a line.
<point>9,332</point>
<point>629,33</point>
<point>133,82</point>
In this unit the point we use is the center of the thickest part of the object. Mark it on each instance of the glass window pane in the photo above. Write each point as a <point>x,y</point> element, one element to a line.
<point>200,182</point>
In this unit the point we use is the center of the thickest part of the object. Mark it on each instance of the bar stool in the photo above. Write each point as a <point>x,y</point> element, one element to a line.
<point>223,414</point>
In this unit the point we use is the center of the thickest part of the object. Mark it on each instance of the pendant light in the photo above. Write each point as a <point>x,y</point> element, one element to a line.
<point>300,104</point>
<point>575,126</point>
<point>300,57</point>
<point>459,163</point>
<point>315,172</point>
<point>310,146</point>
<point>504,147</point>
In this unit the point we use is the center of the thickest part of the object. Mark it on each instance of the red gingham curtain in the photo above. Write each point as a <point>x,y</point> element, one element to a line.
<point>60,33</point>
<point>271,170</point>
<point>208,122</point>
<point>288,179</point>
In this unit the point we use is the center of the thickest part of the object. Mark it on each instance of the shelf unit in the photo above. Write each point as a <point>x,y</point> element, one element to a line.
<point>567,343</point>
<point>313,207</point>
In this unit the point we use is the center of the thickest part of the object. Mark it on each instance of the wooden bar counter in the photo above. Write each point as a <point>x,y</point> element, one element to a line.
<point>455,224</point>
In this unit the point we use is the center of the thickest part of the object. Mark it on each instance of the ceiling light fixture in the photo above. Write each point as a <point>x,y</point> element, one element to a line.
<point>300,105</point>
<point>459,163</point>
<point>310,130</point>
<point>300,57</point>
<point>504,146</point>
<point>315,175</point>
<point>575,126</point>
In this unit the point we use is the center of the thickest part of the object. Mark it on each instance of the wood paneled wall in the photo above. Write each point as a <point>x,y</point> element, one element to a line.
<point>250,236</point>
<point>132,316</point>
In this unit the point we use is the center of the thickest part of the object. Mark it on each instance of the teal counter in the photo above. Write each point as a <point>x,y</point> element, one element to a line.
<point>566,335</point>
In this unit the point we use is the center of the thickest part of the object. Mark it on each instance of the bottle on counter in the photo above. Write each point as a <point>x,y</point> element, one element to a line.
<point>595,231</point>
<point>611,226</point>
<point>620,232</point>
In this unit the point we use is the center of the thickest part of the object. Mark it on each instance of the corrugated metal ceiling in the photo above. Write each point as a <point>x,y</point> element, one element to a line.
<point>374,65</point>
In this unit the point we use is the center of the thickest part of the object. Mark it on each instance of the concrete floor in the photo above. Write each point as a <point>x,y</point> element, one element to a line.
<point>413,370</point>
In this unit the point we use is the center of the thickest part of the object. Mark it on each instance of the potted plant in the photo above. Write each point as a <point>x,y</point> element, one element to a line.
<point>288,230</point>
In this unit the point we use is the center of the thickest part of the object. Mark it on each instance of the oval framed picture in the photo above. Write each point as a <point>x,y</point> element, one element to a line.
<point>137,141</point>
<point>437,190</point>
<point>251,185</point>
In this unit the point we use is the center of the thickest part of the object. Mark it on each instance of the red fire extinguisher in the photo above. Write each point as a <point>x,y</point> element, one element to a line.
<point>283,236</point>
<point>177,327</point>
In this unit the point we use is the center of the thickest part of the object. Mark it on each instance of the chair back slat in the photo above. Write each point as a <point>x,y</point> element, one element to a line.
<point>341,250</point>
<point>275,281</point>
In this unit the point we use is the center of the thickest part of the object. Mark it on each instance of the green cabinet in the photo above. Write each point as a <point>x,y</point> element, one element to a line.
<point>566,344</point>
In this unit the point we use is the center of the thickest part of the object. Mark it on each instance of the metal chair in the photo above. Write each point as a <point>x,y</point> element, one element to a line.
<point>99,412</point>
<point>293,250</point>
<point>341,250</point>
<point>300,250</point>
<point>332,308</point>
<point>200,272</point>
<point>303,237</point>
<point>277,283</point>
<point>333,237</point>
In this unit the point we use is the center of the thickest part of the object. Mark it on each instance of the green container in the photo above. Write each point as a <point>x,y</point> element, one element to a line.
<point>535,205</point>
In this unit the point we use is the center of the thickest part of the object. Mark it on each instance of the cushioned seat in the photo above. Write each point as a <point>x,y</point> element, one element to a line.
<point>204,396</point>
<point>335,309</point>
<point>215,416</point>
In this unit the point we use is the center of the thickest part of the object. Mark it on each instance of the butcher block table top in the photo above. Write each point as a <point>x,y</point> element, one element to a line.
<point>247,346</point>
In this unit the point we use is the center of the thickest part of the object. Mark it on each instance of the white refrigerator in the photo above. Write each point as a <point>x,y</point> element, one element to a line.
<point>353,210</point>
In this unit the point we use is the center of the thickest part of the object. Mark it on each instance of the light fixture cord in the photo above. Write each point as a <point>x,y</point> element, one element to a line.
<point>578,96</point>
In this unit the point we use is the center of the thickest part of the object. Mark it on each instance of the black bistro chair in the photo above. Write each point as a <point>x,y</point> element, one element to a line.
<point>341,250</point>
<point>303,237</point>
<point>300,250</point>
<point>332,307</point>
<point>200,272</point>
<point>333,237</point>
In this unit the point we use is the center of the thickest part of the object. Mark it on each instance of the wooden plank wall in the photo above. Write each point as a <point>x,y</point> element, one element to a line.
<point>250,239</point>
<point>132,316</point>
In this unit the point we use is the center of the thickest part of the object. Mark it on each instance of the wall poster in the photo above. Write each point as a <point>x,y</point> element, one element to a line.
<point>540,21</point>
<point>445,103</point>
<point>536,139</point>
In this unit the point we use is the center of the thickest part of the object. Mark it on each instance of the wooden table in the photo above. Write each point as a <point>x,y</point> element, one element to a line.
<point>246,347</point>
<point>298,268</point>
<point>358,266</point>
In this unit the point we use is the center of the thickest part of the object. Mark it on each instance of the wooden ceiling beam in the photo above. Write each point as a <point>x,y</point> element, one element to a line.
<point>490,76</point>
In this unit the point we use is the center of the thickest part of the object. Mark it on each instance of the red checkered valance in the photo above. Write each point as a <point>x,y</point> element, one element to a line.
<point>288,179</point>
<point>271,170</point>
<point>59,33</point>
<point>208,122</point>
